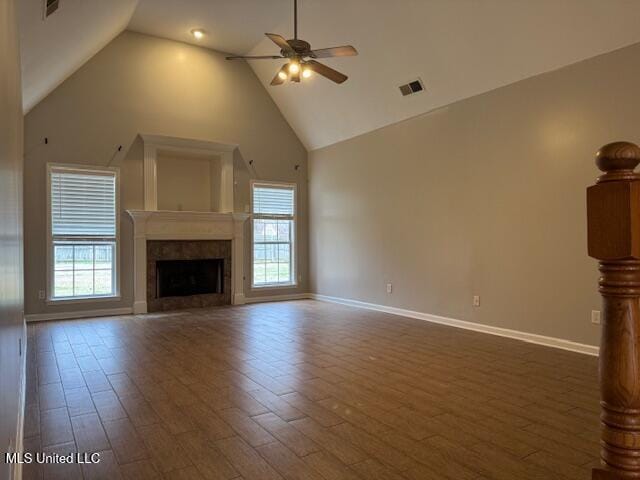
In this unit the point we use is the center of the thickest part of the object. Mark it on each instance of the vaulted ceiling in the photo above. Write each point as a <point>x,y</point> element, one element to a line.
<point>230,25</point>
<point>459,48</point>
<point>54,48</point>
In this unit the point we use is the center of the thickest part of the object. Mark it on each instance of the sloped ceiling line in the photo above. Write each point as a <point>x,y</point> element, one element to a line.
<point>53,49</point>
<point>459,48</point>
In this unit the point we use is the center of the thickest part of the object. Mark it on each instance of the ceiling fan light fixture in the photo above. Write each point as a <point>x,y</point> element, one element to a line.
<point>301,58</point>
<point>294,67</point>
<point>197,33</point>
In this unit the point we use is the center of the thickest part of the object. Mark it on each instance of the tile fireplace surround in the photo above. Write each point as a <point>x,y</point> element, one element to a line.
<point>186,226</point>
<point>163,250</point>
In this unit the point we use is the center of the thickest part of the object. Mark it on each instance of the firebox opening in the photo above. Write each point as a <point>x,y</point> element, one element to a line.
<point>181,278</point>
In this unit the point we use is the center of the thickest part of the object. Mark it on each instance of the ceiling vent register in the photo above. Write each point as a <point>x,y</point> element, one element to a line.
<point>50,7</point>
<point>412,87</point>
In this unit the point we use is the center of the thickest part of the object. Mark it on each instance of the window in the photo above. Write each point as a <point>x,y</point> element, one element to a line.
<point>83,232</point>
<point>274,225</point>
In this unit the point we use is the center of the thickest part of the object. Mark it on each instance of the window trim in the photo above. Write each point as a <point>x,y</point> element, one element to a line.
<point>294,251</point>
<point>49,298</point>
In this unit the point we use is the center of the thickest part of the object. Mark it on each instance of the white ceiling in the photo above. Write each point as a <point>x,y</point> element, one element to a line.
<point>54,48</point>
<point>459,48</point>
<point>234,26</point>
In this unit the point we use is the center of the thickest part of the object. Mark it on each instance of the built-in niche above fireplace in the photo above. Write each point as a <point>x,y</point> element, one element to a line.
<point>188,274</point>
<point>187,174</point>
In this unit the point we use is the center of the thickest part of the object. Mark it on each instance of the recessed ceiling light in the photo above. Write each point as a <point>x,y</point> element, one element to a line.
<point>197,33</point>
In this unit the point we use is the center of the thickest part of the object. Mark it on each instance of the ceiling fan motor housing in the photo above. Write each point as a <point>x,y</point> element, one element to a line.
<point>300,47</point>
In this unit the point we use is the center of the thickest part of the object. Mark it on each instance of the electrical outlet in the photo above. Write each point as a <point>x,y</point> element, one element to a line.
<point>41,294</point>
<point>595,317</point>
<point>476,300</point>
<point>389,288</point>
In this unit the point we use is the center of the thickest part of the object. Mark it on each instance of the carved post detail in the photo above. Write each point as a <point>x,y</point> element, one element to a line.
<point>613,210</point>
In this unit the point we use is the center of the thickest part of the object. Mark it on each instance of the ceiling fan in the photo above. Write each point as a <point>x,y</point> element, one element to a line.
<point>301,58</point>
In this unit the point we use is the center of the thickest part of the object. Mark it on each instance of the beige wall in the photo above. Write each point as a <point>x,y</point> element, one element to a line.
<point>142,84</point>
<point>186,183</point>
<point>485,197</point>
<point>11,301</point>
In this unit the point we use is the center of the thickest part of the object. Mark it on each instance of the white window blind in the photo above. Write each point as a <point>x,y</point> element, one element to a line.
<point>83,204</point>
<point>273,201</point>
<point>274,214</point>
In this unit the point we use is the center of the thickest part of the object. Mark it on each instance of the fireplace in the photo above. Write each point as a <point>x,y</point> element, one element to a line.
<point>181,278</point>
<point>188,274</point>
<point>165,236</point>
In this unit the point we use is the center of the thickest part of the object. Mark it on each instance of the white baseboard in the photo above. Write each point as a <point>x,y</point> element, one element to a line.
<point>278,298</point>
<point>476,327</point>
<point>22,399</point>
<point>106,312</point>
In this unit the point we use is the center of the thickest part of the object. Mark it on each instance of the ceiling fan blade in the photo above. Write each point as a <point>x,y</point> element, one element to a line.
<point>280,41</point>
<point>278,79</point>
<point>327,72</point>
<point>344,51</point>
<point>259,57</point>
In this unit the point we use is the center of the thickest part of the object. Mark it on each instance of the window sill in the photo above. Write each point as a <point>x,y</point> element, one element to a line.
<point>65,301</point>
<point>274,286</point>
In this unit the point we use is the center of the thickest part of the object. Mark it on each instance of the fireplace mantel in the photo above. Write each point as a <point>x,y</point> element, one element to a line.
<point>166,225</point>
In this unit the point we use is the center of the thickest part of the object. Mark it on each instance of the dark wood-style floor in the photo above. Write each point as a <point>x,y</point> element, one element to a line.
<point>305,390</point>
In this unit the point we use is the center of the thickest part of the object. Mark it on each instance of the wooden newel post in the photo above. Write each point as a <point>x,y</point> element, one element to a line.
<point>613,210</point>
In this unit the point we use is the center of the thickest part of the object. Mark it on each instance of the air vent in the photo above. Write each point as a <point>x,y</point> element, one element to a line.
<point>412,87</point>
<point>50,7</point>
